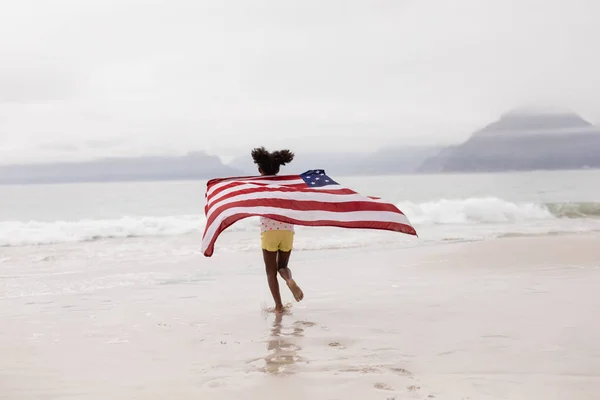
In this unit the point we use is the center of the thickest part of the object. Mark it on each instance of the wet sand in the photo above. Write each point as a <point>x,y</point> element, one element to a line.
<point>507,319</point>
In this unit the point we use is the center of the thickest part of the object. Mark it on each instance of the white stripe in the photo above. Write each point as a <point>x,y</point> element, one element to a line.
<point>299,196</point>
<point>352,216</point>
<point>292,181</point>
<point>239,188</point>
<point>234,189</point>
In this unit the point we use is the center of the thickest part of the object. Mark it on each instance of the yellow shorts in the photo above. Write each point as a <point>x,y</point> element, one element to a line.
<point>277,240</point>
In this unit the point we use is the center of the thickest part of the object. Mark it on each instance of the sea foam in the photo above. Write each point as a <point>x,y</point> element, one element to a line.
<point>447,212</point>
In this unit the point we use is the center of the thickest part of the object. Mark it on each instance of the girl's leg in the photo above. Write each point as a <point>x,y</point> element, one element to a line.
<point>283,258</point>
<point>270,258</point>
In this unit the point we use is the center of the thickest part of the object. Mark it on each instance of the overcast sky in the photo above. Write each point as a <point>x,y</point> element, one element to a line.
<point>87,78</point>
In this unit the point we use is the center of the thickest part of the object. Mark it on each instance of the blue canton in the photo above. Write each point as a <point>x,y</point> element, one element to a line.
<point>317,178</point>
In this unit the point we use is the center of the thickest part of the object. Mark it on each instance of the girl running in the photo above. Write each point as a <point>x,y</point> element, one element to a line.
<point>277,238</point>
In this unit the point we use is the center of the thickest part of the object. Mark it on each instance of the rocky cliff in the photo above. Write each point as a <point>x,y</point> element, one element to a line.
<point>521,141</point>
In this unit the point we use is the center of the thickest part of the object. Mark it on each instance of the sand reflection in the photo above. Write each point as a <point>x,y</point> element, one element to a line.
<point>283,347</point>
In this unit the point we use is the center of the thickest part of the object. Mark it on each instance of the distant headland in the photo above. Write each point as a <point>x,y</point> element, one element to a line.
<point>524,140</point>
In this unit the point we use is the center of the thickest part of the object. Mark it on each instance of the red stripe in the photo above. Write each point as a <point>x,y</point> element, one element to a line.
<point>222,188</point>
<point>251,178</point>
<point>282,189</point>
<point>258,184</point>
<point>296,187</point>
<point>309,205</point>
<point>387,226</point>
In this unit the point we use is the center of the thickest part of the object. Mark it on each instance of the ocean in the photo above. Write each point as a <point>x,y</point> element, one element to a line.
<point>104,293</point>
<point>442,208</point>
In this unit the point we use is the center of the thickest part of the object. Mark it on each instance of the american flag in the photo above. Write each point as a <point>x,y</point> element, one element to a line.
<point>309,199</point>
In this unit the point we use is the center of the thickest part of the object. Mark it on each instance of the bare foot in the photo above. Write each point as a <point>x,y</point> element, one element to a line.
<point>296,291</point>
<point>279,309</point>
<point>283,310</point>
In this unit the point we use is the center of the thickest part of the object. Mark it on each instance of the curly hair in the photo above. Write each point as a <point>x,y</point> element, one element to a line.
<point>270,162</point>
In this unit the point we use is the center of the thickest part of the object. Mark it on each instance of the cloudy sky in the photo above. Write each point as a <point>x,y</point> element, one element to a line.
<point>88,78</point>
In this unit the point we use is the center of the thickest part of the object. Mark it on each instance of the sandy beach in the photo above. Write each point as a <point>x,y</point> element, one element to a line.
<point>506,319</point>
<point>438,163</point>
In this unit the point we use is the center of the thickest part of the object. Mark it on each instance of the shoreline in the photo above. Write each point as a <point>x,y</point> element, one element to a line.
<point>512,318</point>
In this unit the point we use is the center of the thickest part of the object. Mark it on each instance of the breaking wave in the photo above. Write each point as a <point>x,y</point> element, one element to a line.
<point>489,210</point>
<point>575,210</point>
<point>17,233</point>
<point>494,210</point>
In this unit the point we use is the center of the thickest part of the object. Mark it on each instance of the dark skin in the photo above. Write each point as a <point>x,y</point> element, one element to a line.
<point>277,262</point>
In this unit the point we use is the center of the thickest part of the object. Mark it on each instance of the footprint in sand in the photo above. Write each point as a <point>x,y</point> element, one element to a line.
<point>215,383</point>
<point>401,371</point>
<point>306,324</point>
<point>382,386</point>
<point>413,388</point>
<point>362,370</point>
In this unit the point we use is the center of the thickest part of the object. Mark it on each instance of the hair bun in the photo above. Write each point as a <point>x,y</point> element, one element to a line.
<point>282,157</point>
<point>269,163</point>
<point>260,155</point>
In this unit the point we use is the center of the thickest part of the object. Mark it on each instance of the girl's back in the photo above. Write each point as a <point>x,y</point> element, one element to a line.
<point>268,224</point>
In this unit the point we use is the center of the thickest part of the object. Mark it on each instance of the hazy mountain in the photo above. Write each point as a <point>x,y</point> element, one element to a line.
<point>521,141</point>
<point>398,160</point>
<point>391,160</point>
<point>196,165</point>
